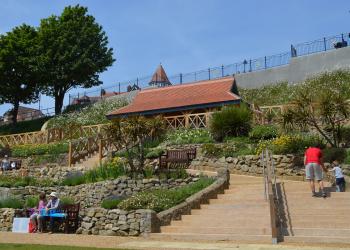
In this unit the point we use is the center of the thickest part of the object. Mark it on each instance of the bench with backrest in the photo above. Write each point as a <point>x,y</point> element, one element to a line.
<point>177,157</point>
<point>71,221</point>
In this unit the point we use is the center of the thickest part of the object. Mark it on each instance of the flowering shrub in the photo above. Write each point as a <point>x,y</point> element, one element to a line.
<point>93,114</point>
<point>288,144</point>
<point>162,199</point>
<point>188,136</point>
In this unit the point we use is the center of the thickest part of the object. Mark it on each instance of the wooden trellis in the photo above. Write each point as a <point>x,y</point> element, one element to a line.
<point>198,120</point>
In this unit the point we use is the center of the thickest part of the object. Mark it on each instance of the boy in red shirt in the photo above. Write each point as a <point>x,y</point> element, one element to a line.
<point>313,168</point>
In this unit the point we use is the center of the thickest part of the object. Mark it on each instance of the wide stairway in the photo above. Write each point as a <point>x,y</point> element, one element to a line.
<point>240,214</point>
<point>314,220</point>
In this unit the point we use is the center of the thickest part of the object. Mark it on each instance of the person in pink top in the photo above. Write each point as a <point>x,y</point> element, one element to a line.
<point>313,161</point>
<point>34,217</point>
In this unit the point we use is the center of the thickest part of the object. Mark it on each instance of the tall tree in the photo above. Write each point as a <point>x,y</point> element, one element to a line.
<point>74,52</point>
<point>18,67</point>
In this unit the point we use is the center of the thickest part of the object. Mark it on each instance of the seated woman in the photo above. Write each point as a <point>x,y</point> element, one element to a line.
<point>53,204</point>
<point>35,216</point>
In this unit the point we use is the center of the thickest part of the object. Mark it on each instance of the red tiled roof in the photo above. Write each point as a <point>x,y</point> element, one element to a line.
<point>159,100</point>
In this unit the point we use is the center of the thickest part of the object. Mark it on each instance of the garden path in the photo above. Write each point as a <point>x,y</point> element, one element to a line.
<point>142,243</point>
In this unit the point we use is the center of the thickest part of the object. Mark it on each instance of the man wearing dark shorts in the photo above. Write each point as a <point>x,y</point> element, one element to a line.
<point>313,169</point>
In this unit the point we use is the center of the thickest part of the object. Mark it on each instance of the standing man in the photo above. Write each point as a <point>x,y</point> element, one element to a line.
<point>313,169</point>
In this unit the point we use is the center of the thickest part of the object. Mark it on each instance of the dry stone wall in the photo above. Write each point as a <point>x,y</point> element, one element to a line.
<point>286,165</point>
<point>6,218</point>
<point>91,195</point>
<point>116,222</point>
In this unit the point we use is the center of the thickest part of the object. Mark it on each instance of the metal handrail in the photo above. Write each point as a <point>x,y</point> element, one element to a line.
<point>270,190</point>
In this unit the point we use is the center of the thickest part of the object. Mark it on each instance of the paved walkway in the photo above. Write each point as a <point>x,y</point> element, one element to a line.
<point>142,243</point>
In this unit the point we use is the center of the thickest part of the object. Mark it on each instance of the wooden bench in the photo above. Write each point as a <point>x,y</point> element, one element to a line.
<point>71,222</point>
<point>178,158</point>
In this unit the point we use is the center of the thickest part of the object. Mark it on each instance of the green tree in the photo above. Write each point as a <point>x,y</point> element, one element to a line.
<point>131,134</point>
<point>321,103</point>
<point>74,52</point>
<point>18,67</point>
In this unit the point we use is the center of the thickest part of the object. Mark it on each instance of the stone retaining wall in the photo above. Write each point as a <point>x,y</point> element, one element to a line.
<point>91,195</point>
<point>6,218</point>
<point>50,171</point>
<point>286,165</point>
<point>99,221</point>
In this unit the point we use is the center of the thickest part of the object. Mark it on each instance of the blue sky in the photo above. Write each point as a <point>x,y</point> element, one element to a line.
<point>189,35</point>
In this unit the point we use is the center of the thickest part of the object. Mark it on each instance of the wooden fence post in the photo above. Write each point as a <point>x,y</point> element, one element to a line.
<point>70,156</point>
<point>100,150</point>
<point>47,136</point>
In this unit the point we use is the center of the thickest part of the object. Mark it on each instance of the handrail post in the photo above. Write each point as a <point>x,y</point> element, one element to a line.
<point>70,160</point>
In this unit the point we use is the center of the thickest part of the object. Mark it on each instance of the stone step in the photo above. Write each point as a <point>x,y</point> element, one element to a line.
<point>333,195</point>
<point>330,217</point>
<point>317,239</point>
<point>318,206</point>
<point>214,237</point>
<point>225,219</point>
<point>317,200</point>
<point>321,224</point>
<point>237,207</point>
<point>220,223</point>
<point>261,202</point>
<point>216,230</point>
<point>309,212</point>
<point>214,212</point>
<point>330,232</point>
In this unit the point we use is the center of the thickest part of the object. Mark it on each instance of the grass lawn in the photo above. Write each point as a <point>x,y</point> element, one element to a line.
<point>45,247</point>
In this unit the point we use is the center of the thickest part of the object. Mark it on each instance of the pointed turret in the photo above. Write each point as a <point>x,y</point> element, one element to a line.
<point>159,78</point>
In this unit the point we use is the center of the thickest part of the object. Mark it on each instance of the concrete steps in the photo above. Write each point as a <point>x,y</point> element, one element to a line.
<point>315,220</point>
<point>240,214</point>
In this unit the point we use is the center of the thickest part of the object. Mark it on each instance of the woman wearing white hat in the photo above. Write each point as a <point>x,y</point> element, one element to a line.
<point>53,204</point>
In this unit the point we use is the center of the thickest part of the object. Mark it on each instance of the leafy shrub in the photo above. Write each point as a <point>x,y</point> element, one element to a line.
<point>345,135</point>
<point>12,181</point>
<point>347,158</point>
<point>162,199</point>
<point>23,126</point>
<point>66,200</point>
<point>263,132</point>
<point>11,203</point>
<point>39,149</point>
<point>110,170</point>
<point>154,153</point>
<point>231,121</point>
<point>110,203</point>
<point>211,150</point>
<point>188,136</point>
<point>225,150</point>
<point>31,201</point>
<point>332,154</point>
